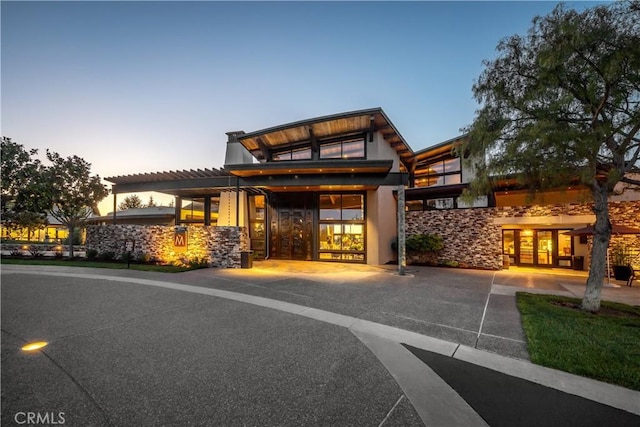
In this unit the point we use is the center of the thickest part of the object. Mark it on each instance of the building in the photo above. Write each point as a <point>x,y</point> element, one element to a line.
<point>324,189</point>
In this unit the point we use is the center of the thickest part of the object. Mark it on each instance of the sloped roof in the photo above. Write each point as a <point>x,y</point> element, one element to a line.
<point>324,127</point>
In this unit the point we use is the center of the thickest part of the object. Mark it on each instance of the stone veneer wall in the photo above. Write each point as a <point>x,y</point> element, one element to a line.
<point>220,245</point>
<point>473,240</point>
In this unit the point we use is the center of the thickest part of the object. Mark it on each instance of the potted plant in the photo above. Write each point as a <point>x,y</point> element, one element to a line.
<point>621,260</point>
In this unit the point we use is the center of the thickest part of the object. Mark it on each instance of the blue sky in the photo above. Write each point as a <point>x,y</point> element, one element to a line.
<point>149,86</point>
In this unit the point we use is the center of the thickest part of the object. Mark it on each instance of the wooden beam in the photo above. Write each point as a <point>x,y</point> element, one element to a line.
<point>263,149</point>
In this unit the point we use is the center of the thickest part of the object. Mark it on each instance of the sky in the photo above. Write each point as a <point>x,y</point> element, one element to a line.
<point>137,87</point>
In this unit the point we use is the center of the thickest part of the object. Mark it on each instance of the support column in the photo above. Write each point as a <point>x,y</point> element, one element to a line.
<point>402,251</point>
<point>115,206</point>
<point>178,209</point>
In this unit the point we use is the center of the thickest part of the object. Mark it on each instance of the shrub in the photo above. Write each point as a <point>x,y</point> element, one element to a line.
<point>16,253</point>
<point>91,254</point>
<point>424,243</point>
<point>198,262</point>
<point>143,257</point>
<point>35,252</point>
<point>107,255</point>
<point>58,254</point>
<point>127,257</point>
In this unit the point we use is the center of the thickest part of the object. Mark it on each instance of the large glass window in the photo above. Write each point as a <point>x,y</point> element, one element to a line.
<point>192,210</point>
<point>303,153</point>
<point>344,149</point>
<point>257,225</point>
<point>215,207</point>
<point>441,172</point>
<point>342,227</point>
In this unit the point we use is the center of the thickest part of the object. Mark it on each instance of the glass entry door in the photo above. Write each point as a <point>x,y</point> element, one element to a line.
<point>526,247</point>
<point>544,247</point>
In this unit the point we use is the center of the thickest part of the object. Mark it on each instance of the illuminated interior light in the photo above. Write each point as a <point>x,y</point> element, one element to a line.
<point>32,346</point>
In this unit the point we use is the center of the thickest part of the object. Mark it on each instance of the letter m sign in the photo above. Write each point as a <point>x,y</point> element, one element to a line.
<point>180,239</point>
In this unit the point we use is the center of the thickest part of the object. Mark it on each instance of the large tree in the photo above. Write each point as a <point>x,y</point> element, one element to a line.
<point>131,202</point>
<point>20,204</point>
<point>71,192</point>
<point>562,105</point>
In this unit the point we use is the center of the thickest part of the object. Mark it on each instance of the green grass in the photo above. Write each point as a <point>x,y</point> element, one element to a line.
<point>96,264</point>
<point>603,346</point>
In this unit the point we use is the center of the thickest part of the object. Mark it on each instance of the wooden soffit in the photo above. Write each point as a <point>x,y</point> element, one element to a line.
<point>327,127</point>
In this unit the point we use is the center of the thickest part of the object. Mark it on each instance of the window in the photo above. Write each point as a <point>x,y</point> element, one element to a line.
<point>344,149</point>
<point>303,153</point>
<point>256,225</point>
<point>446,203</point>
<point>192,211</point>
<point>441,172</point>
<point>342,227</point>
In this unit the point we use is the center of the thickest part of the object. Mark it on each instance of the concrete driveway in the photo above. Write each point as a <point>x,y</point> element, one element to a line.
<point>269,346</point>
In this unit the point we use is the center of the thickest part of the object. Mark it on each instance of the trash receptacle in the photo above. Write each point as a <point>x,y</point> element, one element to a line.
<point>505,262</point>
<point>578,263</point>
<point>246,259</point>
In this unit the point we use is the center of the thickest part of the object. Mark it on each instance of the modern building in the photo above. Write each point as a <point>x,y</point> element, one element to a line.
<point>325,189</point>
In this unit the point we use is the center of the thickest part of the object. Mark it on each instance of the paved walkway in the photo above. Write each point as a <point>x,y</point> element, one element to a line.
<point>406,322</point>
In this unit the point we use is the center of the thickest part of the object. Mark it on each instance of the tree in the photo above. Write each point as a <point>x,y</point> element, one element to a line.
<point>71,192</point>
<point>21,183</point>
<point>131,202</point>
<point>562,105</point>
<point>151,202</point>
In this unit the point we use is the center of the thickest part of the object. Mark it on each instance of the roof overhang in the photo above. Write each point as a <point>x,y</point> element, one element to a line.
<point>290,134</point>
<point>311,167</point>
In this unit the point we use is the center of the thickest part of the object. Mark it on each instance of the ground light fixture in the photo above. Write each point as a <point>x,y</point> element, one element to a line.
<point>33,346</point>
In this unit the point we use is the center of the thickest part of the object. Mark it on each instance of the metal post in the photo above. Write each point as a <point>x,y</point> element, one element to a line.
<point>238,202</point>
<point>402,256</point>
<point>115,205</point>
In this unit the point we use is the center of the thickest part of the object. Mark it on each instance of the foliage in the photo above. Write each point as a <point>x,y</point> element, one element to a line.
<point>151,203</point>
<point>143,257</point>
<point>601,346</point>
<point>424,243</point>
<point>131,202</point>
<point>91,254</point>
<point>16,253</point>
<point>107,255</point>
<point>621,254</point>
<point>198,262</point>
<point>72,192</point>
<point>96,264</point>
<point>58,254</point>
<point>421,243</point>
<point>35,252</point>
<point>193,262</point>
<point>21,207</point>
<point>561,106</point>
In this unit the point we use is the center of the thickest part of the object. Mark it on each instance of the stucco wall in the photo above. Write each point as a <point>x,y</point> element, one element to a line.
<point>220,245</point>
<point>473,237</point>
<point>381,225</point>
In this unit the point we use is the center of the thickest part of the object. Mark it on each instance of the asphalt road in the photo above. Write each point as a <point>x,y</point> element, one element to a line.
<point>124,354</point>
<point>130,348</point>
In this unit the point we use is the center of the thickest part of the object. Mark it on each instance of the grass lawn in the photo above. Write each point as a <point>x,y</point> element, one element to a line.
<point>603,346</point>
<point>96,264</point>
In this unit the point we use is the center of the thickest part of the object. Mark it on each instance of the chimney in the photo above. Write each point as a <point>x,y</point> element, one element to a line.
<point>236,153</point>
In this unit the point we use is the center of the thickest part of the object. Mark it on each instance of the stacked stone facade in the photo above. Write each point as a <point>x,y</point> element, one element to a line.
<point>220,246</point>
<point>472,239</point>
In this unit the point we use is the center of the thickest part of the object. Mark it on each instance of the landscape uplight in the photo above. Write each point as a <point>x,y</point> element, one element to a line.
<point>32,346</point>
